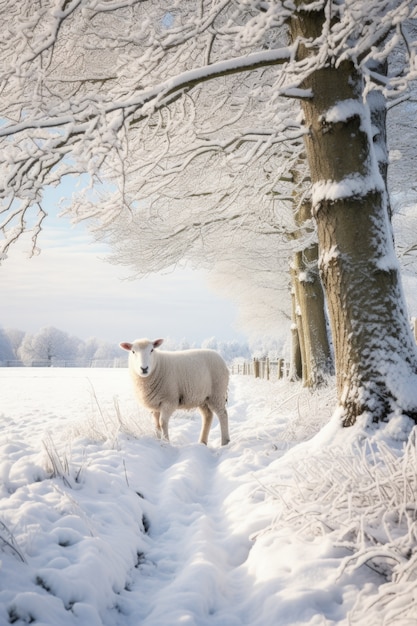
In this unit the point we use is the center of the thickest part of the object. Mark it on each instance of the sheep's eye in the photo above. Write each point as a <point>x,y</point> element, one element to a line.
<point>152,350</point>
<point>133,352</point>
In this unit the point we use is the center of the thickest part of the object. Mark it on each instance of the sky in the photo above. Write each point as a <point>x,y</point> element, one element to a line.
<point>72,287</point>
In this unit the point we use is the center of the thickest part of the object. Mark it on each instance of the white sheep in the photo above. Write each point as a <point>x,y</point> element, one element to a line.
<point>166,381</point>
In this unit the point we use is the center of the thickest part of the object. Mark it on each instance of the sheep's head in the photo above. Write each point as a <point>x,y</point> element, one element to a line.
<point>141,355</point>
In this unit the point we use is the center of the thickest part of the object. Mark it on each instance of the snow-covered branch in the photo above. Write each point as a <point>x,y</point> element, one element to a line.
<point>147,101</point>
<point>141,90</point>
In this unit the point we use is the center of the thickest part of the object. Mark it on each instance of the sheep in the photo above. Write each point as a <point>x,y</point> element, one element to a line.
<point>166,381</point>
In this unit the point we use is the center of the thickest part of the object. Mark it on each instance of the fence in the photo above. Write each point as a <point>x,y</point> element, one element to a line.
<point>262,368</point>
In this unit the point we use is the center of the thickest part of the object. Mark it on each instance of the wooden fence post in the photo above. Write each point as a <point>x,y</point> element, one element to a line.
<point>262,368</point>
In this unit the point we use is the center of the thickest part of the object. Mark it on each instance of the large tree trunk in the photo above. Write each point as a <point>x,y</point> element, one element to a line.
<point>375,354</point>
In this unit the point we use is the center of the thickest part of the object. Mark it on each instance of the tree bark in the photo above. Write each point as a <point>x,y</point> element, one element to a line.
<point>375,354</point>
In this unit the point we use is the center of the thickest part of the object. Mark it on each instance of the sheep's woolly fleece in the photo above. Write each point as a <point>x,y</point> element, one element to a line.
<point>290,524</point>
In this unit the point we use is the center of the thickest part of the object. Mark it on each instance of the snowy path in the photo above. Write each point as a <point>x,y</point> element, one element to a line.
<point>190,556</point>
<point>196,540</point>
<point>138,532</point>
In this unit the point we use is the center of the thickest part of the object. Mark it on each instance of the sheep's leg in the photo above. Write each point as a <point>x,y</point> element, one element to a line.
<point>207,415</point>
<point>224,425</point>
<point>164,416</point>
<point>158,431</point>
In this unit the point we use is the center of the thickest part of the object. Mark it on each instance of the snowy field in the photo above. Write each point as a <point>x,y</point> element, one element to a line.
<point>290,524</point>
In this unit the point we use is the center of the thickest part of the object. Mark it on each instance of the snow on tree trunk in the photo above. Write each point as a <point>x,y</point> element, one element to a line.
<point>375,354</point>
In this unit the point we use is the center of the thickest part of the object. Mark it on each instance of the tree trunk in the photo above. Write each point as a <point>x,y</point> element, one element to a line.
<point>375,354</point>
<point>311,318</point>
<point>310,309</point>
<point>296,364</point>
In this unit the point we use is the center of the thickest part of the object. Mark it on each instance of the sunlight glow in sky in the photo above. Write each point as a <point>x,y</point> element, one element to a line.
<point>70,286</point>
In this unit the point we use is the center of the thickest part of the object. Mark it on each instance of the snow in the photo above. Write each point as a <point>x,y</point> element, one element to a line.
<point>295,522</point>
<point>342,111</point>
<point>355,185</point>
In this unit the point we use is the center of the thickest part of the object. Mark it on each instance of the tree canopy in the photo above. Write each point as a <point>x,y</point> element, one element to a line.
<point>137,90</point>
<point>158,100</point>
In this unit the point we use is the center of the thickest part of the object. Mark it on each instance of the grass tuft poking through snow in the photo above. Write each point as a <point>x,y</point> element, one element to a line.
<point>363,497</point>
<point>8,543</point>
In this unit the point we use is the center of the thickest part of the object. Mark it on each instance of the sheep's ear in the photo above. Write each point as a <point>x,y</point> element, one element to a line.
<point>157,343</point>
<point>126,346</point>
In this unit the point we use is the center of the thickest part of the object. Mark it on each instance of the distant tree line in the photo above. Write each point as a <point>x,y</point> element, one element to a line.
<point>53,347</point>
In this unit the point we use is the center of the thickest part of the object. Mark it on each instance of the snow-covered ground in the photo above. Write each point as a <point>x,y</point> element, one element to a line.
<point>290,524</point>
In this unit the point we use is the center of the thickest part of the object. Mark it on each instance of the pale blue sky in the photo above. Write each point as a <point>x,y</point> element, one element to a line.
<point>71,287</point>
